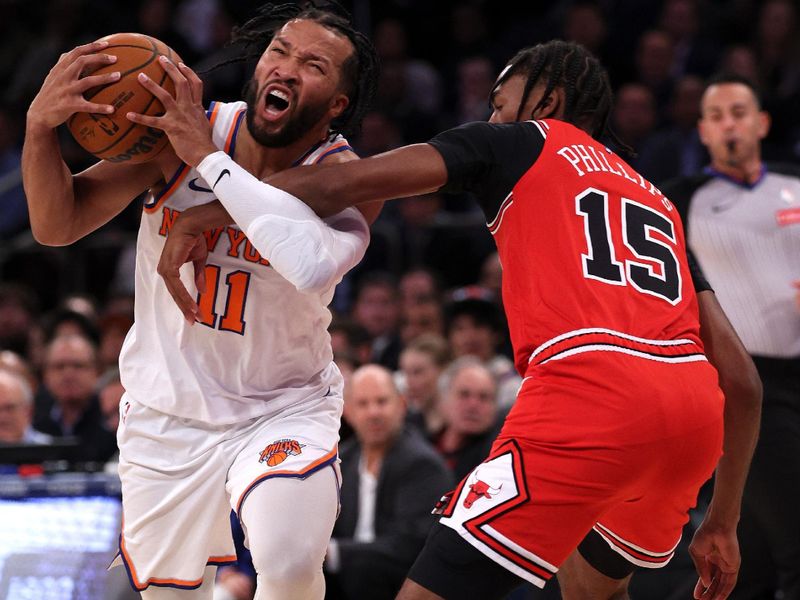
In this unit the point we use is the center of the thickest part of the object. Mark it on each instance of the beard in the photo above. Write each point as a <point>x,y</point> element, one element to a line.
<point>298,124</point>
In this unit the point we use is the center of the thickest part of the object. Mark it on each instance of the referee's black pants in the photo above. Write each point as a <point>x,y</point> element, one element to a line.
<point>769,530</point>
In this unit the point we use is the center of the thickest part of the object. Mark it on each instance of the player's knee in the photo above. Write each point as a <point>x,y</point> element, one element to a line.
<point>289,573</point>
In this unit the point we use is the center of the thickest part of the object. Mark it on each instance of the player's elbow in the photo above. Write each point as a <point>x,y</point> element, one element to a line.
<point>743,386</point>
<point>320,278</point>
<point>51,235</point>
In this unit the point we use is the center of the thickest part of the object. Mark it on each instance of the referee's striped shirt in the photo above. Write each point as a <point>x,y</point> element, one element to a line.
<point>746,239</point>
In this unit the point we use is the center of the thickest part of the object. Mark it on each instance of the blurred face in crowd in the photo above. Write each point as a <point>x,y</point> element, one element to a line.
<point>373,406</point>
<point>70,370</point>
<point>469,337</point>
<point>732,125</point>
<point>421,318</point>
<point>16,408</point>
<point>377,309</point>
<point>470,407</point>
<point>635,113</point>
<point>417,286</point>
<point>422,375</point>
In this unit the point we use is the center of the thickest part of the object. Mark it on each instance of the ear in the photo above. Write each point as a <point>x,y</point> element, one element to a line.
<point>339,104</point>
<point>701,131</point>
<point>553,106</point>
<point>764,123</point>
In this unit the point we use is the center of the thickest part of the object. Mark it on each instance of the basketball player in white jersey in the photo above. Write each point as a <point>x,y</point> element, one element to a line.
<point>238,408</point>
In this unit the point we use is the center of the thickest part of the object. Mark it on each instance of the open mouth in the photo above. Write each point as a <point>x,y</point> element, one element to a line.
<point>276,102</point>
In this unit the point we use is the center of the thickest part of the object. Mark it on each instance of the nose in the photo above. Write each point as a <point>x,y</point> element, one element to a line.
<point>286,71</point>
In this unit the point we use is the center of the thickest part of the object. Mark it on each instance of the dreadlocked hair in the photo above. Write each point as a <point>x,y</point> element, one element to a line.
<point>587,92</point>
<point>359,71</point>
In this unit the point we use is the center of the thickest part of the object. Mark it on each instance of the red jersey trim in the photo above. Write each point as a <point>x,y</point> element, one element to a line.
<point>494,226</point>
<point>608,340</point>
<point>633,553</point>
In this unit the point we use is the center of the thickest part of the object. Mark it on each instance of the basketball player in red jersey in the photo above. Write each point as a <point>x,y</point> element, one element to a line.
<point>619,419</point>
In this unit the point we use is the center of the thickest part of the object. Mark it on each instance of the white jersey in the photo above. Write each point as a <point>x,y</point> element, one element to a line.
<point>263,346</point>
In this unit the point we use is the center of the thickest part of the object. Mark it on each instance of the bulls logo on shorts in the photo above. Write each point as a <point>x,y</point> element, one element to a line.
<point>478,488</point>
<point>279,450</point>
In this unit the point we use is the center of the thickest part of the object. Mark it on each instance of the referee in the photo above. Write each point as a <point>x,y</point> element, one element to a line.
<point>742,220</point>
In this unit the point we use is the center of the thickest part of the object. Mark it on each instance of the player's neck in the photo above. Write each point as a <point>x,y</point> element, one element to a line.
<point>262,161</point>
<point>747,171</point>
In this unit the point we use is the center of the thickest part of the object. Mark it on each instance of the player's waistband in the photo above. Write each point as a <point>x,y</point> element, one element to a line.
<point>608,340</point>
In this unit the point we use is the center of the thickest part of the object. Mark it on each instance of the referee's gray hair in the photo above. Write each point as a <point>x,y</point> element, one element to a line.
<point>458,365</point>
<point>22,384</point>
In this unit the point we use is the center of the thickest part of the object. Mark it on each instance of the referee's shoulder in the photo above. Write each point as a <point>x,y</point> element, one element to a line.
<point>784,168</point>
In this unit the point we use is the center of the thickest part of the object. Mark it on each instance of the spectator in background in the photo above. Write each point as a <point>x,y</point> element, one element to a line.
<point>16,411</point>
<point>778,51</point>
<point>585,24</point>
<point>742,222</point>
<point>390,479</point>
<point>492,277</point>
<point>739,59</point>
<point>476,327</point>
<point>351,339</point>
<point>694,53</point>
<point>377,309</point>
<point>67,322</point>
<point>156,18</point>
<point>70,380</point>
<point>11,361</point>
<point>475,81</point>
<point>113,329</point>
<point>470,413</point>
<point>421,318</point>
<point>18,314</point>
<point>419,284</point>
<point>654,58</point>
<point>421,364</point>
<point>379,133</point>
<point>13,207</point>
<point>634,116</point>
<point>676,149</point>
<point>423,85</point>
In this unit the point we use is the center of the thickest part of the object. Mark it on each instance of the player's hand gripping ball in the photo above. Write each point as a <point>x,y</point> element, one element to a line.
<point>113,137</point>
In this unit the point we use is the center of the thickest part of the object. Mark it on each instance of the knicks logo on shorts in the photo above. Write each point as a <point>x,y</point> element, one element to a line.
<point>279,450</point>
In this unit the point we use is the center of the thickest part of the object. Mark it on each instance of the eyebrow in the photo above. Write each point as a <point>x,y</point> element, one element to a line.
<point>305,56</point>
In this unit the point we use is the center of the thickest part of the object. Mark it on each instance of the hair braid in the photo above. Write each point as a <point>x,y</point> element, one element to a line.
<point>587,91</point>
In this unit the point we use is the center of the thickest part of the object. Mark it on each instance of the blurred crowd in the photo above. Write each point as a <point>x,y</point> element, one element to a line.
<point>424,305</point>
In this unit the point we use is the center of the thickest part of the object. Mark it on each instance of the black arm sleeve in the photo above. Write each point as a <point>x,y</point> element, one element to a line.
<point>487,159</point>
<point>698,278</point>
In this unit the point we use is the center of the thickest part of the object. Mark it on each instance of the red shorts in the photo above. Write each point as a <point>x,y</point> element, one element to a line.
<point>618,444</point>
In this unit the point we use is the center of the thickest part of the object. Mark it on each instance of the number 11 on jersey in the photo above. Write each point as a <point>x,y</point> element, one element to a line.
<point>236,283</point>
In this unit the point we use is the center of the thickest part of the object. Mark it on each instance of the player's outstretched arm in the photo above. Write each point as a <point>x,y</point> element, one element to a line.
<point>63,207</point>
<point>402,172</point>
<point>714,549</point>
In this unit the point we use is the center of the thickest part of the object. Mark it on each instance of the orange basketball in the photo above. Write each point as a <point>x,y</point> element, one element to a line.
<point>276,458</point>
<point>113,137</point>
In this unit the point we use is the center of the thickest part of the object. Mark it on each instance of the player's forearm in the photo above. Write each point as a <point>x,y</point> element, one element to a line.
<point>739,381</point>
<point>205,217</point>
<point>742,417</point>
<point>330,188</point>
<point>48,186</point>
<point>311,254</point>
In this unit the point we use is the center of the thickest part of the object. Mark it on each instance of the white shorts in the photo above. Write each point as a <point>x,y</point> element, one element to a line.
<point>181,478</point>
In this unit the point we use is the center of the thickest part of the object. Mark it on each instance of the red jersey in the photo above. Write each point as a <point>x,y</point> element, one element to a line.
<point>593,254</point>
